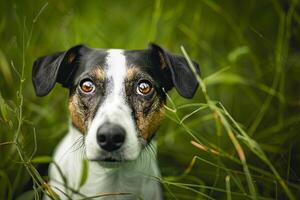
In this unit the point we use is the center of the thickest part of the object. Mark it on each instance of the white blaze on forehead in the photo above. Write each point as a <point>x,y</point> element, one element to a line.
<point>116,70</point>
<point>114,109</point>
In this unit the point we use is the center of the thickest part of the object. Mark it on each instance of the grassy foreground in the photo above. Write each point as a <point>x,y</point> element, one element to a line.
<point>237,139</point>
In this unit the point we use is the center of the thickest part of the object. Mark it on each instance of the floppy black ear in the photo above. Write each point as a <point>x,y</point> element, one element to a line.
<point>176,71</point>
<point>57,67</point>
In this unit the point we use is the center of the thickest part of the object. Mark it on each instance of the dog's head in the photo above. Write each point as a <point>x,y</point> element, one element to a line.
<point>117,97</point>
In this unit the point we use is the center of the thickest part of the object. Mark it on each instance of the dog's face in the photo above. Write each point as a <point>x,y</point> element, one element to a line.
<point>117,97</point>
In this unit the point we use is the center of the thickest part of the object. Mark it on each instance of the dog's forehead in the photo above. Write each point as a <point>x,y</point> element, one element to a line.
<point>98,58</point>
<point>139,58</point>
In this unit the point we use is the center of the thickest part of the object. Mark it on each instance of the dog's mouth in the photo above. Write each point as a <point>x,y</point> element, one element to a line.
<point>109,159</point>
<point>108,162</point>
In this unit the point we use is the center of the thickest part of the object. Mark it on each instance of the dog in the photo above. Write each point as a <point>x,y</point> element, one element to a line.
<point>116,101</point>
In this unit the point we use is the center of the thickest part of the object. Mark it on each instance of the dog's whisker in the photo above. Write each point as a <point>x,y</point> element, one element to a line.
<point>70,147</point>
<point>77,144</point>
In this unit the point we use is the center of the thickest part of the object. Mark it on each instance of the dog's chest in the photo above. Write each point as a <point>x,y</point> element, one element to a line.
<point>122,184</point>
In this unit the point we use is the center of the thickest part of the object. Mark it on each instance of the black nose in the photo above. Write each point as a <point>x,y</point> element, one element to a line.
<point>110,136</point>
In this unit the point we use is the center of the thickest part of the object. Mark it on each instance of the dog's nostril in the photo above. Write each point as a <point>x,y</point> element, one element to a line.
<point>118,138</point>
<point>101,138</point>
<point>110,136</point>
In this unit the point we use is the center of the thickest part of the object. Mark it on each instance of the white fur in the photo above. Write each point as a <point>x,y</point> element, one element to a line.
<point>135,177</point>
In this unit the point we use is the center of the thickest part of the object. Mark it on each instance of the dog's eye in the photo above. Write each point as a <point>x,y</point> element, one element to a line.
<point>144,87</point>
<point>87,86</point>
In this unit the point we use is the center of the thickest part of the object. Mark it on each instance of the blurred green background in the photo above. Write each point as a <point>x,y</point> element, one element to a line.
<point>249,57</point>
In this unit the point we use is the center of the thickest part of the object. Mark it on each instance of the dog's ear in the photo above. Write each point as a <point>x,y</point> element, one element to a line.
<point>57,67</point>
<point>176,71</point>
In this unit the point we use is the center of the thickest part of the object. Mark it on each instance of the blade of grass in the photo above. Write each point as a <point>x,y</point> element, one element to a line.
<point>255,148</point>
<point>227,127</point>
<point>228,190</point>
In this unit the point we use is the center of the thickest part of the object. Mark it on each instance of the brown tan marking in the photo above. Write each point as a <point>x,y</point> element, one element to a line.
<point>76,116</point>
<point>131,72</point>
<point>148,125</point>
<point>98,73</point>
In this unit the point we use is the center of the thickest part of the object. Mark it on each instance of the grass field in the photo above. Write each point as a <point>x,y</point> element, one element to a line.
<point>237,139</point>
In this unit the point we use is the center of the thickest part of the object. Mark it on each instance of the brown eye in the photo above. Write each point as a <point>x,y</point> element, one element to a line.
<point>87,86</point>
<point>144,87</point>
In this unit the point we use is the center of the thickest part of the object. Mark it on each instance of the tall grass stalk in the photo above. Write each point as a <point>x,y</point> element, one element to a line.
<point>252,144</point>
<point>227,126</point>
<point>38,182</point>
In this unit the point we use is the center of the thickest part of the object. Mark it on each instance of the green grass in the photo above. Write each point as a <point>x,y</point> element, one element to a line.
<point>237,139</point>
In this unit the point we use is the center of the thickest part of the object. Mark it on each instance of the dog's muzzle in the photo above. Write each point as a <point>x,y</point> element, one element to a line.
<point>110,137</point>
